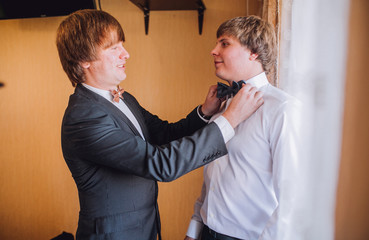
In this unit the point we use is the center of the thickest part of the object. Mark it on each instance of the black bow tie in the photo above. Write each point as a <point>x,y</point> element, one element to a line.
<point>225,90</point>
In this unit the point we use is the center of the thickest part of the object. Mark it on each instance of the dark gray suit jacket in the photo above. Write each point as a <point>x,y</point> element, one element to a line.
<point>115,170</point>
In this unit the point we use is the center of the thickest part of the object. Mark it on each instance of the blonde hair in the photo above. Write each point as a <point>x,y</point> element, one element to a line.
<point>255,34</point>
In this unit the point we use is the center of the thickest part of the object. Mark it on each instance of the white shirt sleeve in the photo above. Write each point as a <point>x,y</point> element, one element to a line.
<point>283,141</point>
<point>223,124</point>
<point>225,127</point>
<point>198,113</point>
<point>196,224</point>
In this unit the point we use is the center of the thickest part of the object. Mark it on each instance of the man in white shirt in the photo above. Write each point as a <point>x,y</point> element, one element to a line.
<point>240,197</point>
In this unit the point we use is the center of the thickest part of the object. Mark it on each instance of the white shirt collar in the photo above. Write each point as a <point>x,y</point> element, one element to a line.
<point>258,81</point>
<point>104,93</point>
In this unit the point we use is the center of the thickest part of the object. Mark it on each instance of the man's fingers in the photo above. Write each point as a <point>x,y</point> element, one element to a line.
<point>246,87</point>
<point>243,105</point>
<point>213,90</point>
<point>260,102</point>
<point>252,91</point>
<point>259,95</point>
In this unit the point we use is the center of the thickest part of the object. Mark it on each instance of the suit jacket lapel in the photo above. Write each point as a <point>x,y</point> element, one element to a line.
<point>138,115</point>
<point>118,114</point>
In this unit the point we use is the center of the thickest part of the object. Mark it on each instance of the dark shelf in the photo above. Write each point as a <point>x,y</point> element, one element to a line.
<point>167,5</point>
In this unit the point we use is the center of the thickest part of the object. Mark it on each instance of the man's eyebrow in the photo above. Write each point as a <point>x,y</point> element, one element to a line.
<point>223,39</point>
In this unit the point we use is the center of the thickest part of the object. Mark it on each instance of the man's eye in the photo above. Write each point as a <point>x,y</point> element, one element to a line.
<point>224,44</point>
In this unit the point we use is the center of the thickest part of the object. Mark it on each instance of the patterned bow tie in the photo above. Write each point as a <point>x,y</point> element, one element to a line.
<point>117,94</point>
<point>225,90</point>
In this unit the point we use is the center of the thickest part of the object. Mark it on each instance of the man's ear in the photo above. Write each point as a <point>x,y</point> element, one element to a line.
<point>253,56</point>
<point>85,65</point>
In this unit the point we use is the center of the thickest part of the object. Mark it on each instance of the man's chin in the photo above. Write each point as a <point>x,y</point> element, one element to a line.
<point>223,78</point>
<point>121,79</point>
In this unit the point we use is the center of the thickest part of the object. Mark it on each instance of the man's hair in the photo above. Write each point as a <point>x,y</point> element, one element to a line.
<point>255,34</point>
<point>79,37</point>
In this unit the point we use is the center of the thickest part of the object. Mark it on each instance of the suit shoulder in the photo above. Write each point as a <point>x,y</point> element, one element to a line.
<point>129,97</point>
<point>81,107</point>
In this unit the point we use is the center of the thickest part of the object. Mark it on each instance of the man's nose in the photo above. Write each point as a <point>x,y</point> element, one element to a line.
<point>124,54</point>
<point>214,52</point>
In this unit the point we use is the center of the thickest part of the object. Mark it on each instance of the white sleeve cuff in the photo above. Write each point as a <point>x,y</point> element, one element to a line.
<point>194,229</point>
<point>225,127</point>
<point>198,113</point>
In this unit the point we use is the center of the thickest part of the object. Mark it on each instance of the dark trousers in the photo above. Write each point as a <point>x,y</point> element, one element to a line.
<point>208,234</point>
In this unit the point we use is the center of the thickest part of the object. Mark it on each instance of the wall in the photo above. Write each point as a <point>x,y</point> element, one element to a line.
<point>352,215</point>
<point>38,198</point>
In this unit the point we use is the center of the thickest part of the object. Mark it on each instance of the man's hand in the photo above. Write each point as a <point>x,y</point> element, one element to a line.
<point>243,105</point>
<point>212,103</point>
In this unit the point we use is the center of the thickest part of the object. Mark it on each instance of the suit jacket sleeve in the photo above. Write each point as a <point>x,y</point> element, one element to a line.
<point>91,134</point>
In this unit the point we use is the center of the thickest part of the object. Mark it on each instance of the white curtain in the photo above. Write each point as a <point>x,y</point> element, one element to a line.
<point>312,67</point>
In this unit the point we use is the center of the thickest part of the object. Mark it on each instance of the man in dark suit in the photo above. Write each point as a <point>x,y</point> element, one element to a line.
<point>114,148</point>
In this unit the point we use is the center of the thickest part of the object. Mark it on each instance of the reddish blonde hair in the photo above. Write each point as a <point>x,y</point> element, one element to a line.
<point>80,35</point>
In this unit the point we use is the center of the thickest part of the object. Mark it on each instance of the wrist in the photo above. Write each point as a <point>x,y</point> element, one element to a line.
<point>204,115</point>
<point>229,118</point>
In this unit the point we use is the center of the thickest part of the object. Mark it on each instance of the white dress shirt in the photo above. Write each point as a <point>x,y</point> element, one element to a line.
<point>241,191</point>
<point>223,124</point>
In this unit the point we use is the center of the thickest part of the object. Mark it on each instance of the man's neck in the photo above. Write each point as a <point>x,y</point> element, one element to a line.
<point>246,77</point>
<point>99,85</point>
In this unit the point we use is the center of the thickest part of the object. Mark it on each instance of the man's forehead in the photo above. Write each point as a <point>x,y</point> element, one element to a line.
<point>226,37</point>
<point>110,38</point>
<point>111,35</point>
